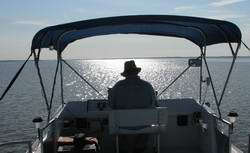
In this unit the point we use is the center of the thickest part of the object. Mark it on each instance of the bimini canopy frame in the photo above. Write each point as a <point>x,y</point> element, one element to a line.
<point>200,31</point>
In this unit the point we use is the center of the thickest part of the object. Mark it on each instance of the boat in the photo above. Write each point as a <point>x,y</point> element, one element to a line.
<point>183,125</point>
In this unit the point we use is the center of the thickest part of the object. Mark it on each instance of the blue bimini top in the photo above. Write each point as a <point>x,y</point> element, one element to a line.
<point>200,31</point>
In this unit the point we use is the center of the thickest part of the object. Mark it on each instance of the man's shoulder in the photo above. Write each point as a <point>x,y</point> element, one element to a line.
<point>146,83</point>
<point>120,82</point>
<point>133,81</point>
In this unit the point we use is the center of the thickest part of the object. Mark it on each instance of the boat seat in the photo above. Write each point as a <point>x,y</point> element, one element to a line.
<point>138,121</point>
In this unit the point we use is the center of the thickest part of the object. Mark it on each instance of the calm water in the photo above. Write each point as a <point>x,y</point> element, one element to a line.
<point>25,101</point>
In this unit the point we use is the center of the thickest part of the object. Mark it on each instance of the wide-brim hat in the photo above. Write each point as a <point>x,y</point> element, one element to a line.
<point>130,68</point>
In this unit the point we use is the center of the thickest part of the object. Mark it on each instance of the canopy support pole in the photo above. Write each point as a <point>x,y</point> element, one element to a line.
<point>61,78</point>
<point>53,87</point>
<point>230,70</point>
<point>201,80</point>
<point>36,59</point>
<point>174,80</point>
<point>83,78</point>
<point>246,46</point>
<point>15,77</point>
<point>203,52</point>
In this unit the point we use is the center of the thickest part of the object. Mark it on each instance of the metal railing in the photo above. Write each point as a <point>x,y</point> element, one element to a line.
<point>232,148</point>
<point>222,120</point>
<point>18,143</point>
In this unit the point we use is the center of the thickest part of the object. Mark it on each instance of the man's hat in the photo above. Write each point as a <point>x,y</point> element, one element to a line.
<point>130,68</point>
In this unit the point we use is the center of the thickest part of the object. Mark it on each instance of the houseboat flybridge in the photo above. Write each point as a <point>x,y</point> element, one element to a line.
<point>183,125</point>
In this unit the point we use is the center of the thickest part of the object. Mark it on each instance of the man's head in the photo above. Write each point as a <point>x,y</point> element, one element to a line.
<point>130,69</point>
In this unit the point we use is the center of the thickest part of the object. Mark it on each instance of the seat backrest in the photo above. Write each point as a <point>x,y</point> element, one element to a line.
<point>136,121</point>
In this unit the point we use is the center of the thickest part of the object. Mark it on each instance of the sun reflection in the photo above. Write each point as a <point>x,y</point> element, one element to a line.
<point>112,65</point>
<point>102,74</point>
<point>115,64</point>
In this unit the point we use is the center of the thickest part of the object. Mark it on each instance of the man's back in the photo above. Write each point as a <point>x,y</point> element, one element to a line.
<point>132,93</point>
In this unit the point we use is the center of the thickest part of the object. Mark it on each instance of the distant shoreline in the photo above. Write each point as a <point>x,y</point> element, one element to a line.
<point>173,57</point>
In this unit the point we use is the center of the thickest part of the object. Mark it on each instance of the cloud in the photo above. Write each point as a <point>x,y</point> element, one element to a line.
<point>227,16</point>
<point>184,8</point>
<point>225,2</point>
<point>31,22</point>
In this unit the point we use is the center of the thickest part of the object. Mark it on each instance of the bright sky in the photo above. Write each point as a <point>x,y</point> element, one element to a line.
<point>21,19</point>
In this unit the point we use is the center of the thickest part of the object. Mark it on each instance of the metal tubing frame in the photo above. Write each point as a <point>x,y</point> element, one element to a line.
<point>83,78</point>
<point>13,80</point>
<point>36,59</point>
<point>203,52</point>
<point>205,43</point>
<point>230,130</point>
<point>203,55</point>
<point>173,81</point>
<point>61,79</point>
<point>245,46</point>
<point>230,70</point>
<point>201,80</point>
<point>234,54</point>
<point>53,87</point>
<point>218,102</point>
<point>222,120</point>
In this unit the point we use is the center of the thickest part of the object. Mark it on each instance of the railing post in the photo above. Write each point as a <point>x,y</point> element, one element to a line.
<point>230,132</point>
<point>29,147</point>
<point>40,137</point>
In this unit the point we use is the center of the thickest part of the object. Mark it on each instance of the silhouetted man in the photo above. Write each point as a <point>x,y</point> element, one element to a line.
<point>132,93</point>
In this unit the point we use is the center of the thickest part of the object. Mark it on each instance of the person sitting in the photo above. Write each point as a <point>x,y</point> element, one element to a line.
<point>132,93</point>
